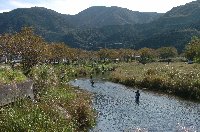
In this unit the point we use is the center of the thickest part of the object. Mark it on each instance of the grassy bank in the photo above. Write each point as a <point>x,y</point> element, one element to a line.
<point>59,107</point>
<point>9,76</point>
<point>179,79</point>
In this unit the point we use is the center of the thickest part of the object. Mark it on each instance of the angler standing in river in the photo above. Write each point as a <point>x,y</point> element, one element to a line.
<point>92,82</point>
<point>137,96</point>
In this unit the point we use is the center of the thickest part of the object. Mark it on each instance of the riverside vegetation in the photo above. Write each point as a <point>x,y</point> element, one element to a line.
<point>176,78</point>
<point>59,107</point>
<point>180,79</point>
<point>8,75</point>
<point>51,66</point>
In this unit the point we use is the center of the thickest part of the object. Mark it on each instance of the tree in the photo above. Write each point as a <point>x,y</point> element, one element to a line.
<point>147,55</point>
<point>103,54</point>
<point>5,45</point>
<point>30,47</point>
<point>58,51</point>
<point>167,52</point>
<point>192,49</point>
<point>126,54</point>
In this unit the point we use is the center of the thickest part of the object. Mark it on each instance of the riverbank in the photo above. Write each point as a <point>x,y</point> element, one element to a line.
<point>58,106</point>
<point>179,79</point>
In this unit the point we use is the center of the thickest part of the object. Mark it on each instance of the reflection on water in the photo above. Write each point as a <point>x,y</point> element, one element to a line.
<point>118,111</point>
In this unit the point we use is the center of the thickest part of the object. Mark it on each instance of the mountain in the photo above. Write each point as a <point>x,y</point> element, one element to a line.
<point>174,28</point>
<point>46,19</point>
<point>99,16</point>
<point>110,27</point>
<point>45,22</point>
<point>39,17</point>
<point>54,26</point>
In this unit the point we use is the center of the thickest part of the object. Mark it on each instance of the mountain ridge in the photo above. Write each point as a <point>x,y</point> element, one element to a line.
<point>110,27</point>
<point>99,16</point>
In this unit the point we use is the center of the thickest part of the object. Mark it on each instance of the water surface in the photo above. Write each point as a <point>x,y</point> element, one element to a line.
<point>118,111</point>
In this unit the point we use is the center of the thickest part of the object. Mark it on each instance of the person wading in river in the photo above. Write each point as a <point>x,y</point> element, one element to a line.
<point>92,82</point>
<point>137,96</point>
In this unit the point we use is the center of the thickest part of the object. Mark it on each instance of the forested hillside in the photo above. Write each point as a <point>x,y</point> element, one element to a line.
<point>109,27</point>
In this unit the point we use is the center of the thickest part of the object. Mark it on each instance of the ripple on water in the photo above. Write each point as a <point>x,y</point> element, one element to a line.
<point>117,110</point>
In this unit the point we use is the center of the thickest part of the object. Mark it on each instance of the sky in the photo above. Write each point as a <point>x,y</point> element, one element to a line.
<point>75,6</point>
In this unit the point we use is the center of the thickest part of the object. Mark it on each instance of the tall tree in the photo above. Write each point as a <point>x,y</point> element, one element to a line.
<point>30,47</point>
<point>147,54</point>
<point>192,49</point>
<point>167,52</point>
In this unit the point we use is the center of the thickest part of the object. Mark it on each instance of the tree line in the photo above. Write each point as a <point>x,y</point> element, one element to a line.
<point>33,49</point>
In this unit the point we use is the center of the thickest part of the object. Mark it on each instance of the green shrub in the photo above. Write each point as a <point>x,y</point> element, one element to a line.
<point>59,109</point>
<point>8,76</point>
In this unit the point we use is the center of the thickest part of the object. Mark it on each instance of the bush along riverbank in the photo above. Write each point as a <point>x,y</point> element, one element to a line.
<point>179,79</point>
<point>58,106</point>
<point>9,76</point>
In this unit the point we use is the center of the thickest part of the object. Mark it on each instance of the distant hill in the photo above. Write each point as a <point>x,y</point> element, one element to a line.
<point>110,27</point>
<point>99,16</point>
<point>174,28</point>
<point>47,23</point>
<point>38,17</point>
<point>54,26</point>
<point>46,19</point>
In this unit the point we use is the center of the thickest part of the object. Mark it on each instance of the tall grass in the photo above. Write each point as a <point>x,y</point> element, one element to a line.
<point>176,78</point>
<point>8,76</point>
<point>59,107</point>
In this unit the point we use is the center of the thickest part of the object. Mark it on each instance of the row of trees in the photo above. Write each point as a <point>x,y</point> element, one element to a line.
<point>144,53</point>
<point>33,50</point>
<point>191,52</point>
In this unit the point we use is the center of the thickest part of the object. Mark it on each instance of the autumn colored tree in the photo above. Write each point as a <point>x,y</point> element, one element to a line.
<point>126,54</point>
<point>5,45</point>
<point>112,54</point>
<point>30,47</point>
<point>146,54</point>
<point>58,51</point>
<point>103,54</point>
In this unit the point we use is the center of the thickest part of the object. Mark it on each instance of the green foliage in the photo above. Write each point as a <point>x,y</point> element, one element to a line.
<point>59,107</point>
<point>147,55</point>
<point>47,75</point>
<point>167,52</point>
<point>30,47</point>
<point>8,76</point>
<point>192,50</point>
<point>177,78</point>
<point>56,111</point>
<point>176,27</point>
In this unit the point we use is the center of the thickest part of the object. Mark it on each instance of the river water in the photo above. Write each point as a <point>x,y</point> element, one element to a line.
<point>118,111</point>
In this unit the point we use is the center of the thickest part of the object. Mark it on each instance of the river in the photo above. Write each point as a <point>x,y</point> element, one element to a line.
<point>118,111</point>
